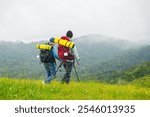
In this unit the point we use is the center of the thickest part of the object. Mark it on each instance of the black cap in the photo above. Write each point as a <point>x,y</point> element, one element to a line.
<point>69,34</point>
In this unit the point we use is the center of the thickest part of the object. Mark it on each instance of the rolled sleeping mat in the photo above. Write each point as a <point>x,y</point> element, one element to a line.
<point>62,42</point>
<point>44,47</point>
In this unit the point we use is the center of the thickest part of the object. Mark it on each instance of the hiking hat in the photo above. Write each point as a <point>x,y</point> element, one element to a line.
<point>69,34</point>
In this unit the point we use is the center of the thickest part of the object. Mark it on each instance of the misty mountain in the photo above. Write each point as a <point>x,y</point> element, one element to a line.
<point>99,48</point>
<point>110,70</point>
<point>99,55</point>
<point>126,59</point>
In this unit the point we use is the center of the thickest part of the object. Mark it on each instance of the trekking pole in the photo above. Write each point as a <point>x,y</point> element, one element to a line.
<point>59,66</point>
<point>76,73</point>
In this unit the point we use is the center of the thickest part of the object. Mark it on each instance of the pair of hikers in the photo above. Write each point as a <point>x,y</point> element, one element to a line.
<point>65,55</point>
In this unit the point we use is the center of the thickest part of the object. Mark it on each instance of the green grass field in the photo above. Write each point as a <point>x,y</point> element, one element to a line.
<point>14,89</point>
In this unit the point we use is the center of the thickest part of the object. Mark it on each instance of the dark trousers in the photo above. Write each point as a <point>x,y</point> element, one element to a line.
<point>68,68</point>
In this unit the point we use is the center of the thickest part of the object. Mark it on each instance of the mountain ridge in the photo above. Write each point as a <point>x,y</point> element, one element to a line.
<point>17,58</point>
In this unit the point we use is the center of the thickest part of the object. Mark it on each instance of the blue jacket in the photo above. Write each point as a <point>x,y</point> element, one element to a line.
<point>54,52</point>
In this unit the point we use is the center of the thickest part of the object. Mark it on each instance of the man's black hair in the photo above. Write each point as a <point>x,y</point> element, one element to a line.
<point>69,34</point>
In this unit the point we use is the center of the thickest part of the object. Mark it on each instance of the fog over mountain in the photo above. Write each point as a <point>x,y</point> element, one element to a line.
<point>99,39</point>
<point>96,57</point>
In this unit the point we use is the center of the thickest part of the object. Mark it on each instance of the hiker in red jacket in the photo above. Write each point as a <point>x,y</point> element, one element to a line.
<point>68,56</point>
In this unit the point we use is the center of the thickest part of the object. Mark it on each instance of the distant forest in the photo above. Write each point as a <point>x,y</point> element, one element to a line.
<point>108,60</point>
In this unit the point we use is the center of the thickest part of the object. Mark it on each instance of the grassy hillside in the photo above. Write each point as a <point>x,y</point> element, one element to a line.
<point>12,89</point>
<point>124,76</point>
<point>142,82</point>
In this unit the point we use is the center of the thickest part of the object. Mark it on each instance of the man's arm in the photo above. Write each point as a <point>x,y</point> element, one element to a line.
<point>54,52</point>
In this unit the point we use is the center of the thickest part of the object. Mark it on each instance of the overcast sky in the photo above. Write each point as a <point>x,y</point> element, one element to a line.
<point>29,20</point>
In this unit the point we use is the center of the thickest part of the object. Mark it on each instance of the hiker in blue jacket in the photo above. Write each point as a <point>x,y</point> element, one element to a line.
<point>50,63</point>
